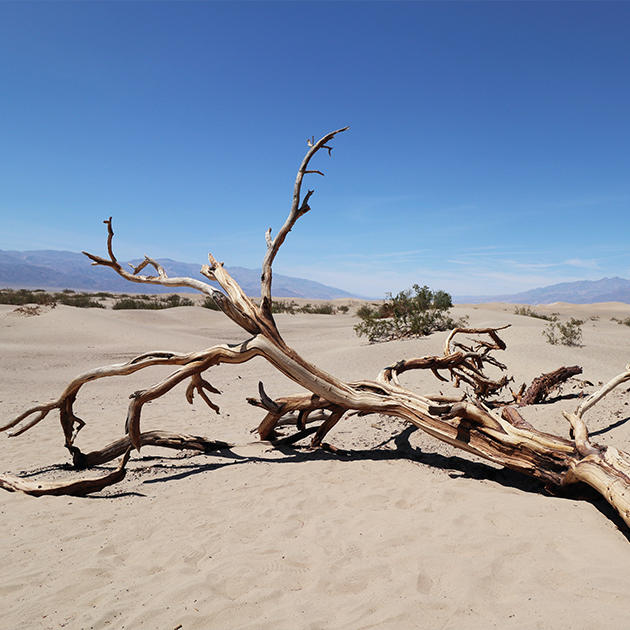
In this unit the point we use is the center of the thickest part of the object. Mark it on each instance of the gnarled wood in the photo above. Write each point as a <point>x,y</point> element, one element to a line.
<point>164,439</point>
<point>467,423</point>
<point>544,384</point>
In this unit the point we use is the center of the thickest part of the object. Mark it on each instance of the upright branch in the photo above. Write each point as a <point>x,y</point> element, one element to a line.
<point>299,207</point>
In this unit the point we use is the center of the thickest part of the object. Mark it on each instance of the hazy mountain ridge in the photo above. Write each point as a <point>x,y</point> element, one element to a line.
<point>580,292</point>
<point>52,269</point>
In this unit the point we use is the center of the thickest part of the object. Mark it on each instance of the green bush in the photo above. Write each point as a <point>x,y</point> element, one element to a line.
<point>416,312</point>
<point>569,334</point>
<point>625,322</point>
<point>292,307</point>
<point>25,296</point>
<point>177,300</point>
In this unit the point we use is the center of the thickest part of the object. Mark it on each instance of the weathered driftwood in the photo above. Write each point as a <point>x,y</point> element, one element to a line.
<point>163,439</point>
<point>78,487</point>
<point>544,384</point>
<point>467,423</point>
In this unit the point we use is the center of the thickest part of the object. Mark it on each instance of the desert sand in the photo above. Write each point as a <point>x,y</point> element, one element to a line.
<point>402,532</point>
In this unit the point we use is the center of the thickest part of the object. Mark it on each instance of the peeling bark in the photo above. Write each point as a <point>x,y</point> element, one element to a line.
<point>544,384</point>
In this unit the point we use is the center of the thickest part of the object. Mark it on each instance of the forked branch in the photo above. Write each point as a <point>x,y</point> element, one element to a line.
<point>161,279</point>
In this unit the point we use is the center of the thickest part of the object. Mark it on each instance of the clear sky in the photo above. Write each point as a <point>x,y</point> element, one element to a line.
<point>488,149</point>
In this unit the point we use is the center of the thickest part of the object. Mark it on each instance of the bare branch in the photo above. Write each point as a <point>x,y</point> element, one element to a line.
<point>191,366</point>
<point>78,487</point>
<point>199,384</point>
<point>297,210</point>
<point>606,389</point>
<point>163,439</point>
<point>465,365</point>
<point>161,279</point>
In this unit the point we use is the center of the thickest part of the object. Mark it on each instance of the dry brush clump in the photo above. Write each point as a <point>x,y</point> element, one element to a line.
<point>567,334</point>
<point>557,333</point>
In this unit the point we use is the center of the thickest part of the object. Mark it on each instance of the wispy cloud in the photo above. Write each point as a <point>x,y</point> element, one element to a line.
<point>376,256</point>
<point>586,264</point>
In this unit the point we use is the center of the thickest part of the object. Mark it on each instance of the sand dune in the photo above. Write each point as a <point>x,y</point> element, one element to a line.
<point>404,532</point>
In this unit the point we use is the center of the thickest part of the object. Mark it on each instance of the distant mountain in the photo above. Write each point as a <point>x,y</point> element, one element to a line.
<point>581,292</point>
<point>51,269</point>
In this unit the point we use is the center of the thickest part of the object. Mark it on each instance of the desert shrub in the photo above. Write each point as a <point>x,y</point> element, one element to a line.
<point>625,322</point>
<point>528,312</point>
<point>125,304</point>
<point>153,303</point>
<point>280,306</point>
<point>25,296</point>
<point>177,300</point>
<point>415,312</point>
<point>210,303</point>
<point>79,300</point>
<point>372,325</point>
<point>68,297</point>
<point>343,309</point>
<point>320,309</point>
<point>365,310</point>
<point>569,334</point>
<point>292,307</point>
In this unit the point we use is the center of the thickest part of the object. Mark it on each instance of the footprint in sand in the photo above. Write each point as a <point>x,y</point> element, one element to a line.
<point>424,584</point>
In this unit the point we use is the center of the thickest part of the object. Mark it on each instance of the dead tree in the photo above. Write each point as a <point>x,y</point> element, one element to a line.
<point>467,422</point>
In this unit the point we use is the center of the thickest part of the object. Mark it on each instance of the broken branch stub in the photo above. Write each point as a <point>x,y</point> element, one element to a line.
<point>467,423</point>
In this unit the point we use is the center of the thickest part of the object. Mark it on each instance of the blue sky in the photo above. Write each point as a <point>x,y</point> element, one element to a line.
<point>488,149</point>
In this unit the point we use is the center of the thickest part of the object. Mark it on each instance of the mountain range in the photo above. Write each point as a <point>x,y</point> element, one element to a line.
<point>51,269</point>
<point>580,292</point>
